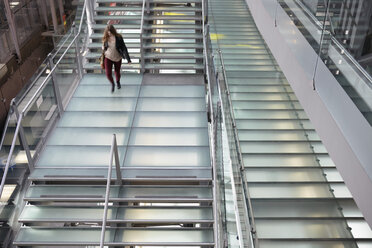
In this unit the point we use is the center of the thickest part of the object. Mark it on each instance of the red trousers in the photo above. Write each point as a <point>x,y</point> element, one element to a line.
<point>108,67</point>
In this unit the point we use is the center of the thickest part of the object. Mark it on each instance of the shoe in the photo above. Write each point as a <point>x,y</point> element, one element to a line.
<point>118,85</point>
<point>112,88</point>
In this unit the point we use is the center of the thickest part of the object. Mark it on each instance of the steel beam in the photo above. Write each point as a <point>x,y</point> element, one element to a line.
<point>12,27</point>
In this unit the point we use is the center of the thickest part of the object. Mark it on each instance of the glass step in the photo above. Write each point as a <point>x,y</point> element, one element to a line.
<point>169,137</point>
<point>257,81</point>
<point>248,147</point>
<point>171,104</point>
<point>270,114</point>
<point>96,119</point>
<point>274,124</point>
<point>167,156</point>
<point>298,190</point>
<point>100,79</point>
<point>263,96</point>
<point>96,193</point>
<point>101,104</point>
<point>77,156</point>
<point>191,174</point>
<point>170,119</point>
<point>55,214</point>
<point>315,174</point>
<point>268,105</point>
<point>88,136</point>
<point>105,91</point>
<point>114,236</point>
<point>172,91</point>
<point>305,209</point>
<point>285,160</point>
<point>277,135</point>
<point>313,243</point>
<point>260,89</point>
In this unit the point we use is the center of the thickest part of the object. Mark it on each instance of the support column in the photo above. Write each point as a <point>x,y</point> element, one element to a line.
<point>12,28</point>
<point>43,7</point>
<point>90,15</point>
<point>61,11</point>
<point>54,16</point>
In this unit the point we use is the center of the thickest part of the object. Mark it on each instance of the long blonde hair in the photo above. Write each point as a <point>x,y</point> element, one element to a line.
<point>112,31</point>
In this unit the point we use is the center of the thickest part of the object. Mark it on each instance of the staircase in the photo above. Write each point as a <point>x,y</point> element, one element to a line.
<point>166,196</point>
<point>299,199</point>
<point>171,40</point>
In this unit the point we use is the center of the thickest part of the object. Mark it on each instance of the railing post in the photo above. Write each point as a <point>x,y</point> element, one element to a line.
<point>119,180</point>
<point>77,51</point>
<point>55,85</point>
<point>141,35</point>
<point>23,140</point>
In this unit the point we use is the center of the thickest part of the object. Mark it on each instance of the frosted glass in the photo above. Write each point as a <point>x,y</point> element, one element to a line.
<point>266,105</point>
<point>280,147</point>
<point>284,175</point>
<point>255,81</point>
<point>170,119</point>
<point>171,104</point>
<point>263,96</point>
<point>287,160</point>
<point>100,79</point>
<point>88,136</point>
<point>96,119</point>
<point>273,124</point>
<point>101,104</point>
<point>167,156</point>
<point>260,89</point>
<point>289,191</point>
<point>169,136</point>
<point>105,91</point>
<point>302,229</point>
<point>74,156</point>
<point>277,135</point>
<point>172,91</point>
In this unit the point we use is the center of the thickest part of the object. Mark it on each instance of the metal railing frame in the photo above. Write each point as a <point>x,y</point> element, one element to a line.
<point>20,115</point>
<point>114,154</point>
<point>141,37</point>
<point>248,204</point>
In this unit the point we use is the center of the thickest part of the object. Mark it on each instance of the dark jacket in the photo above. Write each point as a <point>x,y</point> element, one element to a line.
<point>120,46</point>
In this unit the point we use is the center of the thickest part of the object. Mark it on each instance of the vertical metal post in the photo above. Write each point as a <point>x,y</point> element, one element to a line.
<point>42,6</point>
<point>12,27</point>
<point>90,15</point>
<point>55,85</point>
<point>61,11</point>
<point>23,140</point>
<point>119,180</point>
<point>77,51</point>
<point>54,16</point>
<point>148,6</point>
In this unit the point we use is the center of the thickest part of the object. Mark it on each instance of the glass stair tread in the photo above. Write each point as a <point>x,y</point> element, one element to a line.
<point>96,193</point>
<point>88,136</point>
<point>172,91</point>
<point>292,175</point>
<point>248,147</point>
<point>288,160</point>
<point>114,236</point>
<point>274,124</point>
<point>298,191</point>
<point>105,91</point>
<point>311,243</point>
<point>172,26</point>
<point>305,209</point>
<point>154,1</point>
<point>98,45</point>
<point>117,17</point>
<point>4,231</point>
<point>260,89</point>
<point>169,137</point>
<point>100,79</point>
<point>171,104</point>
<point>97,66</point>
<point>95,119</point>
<point>173,56</point>
<point>117,26</point>
<point>126,36</point>
<point>5,212</point>
<point>263,96</point>
<point>173,17</point>
<point>132,8</point>
<point>170,119</point>
<point>167,156</point>
<point>266,105</point>
<point>38,214</point>
<point>270,114</point>
<point>173,36</point>
<point>128,174</point>
<point>118,8</point>
<point>97,55</point>
<point>101,103</point>
<point>72,156</point>
<point>174,45</point>
<point>174,66</point>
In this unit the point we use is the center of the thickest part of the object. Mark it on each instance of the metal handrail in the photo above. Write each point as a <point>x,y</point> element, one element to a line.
<point>141,35</point>
<point>241,169</point>
<point>14,141</point>
<point>339,45</point>
<point>113,153</point>
<point>212,148</point>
